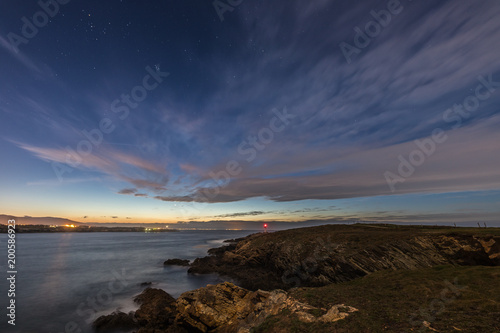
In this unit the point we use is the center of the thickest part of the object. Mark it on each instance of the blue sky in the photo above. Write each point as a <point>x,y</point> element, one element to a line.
<point>374,110</point>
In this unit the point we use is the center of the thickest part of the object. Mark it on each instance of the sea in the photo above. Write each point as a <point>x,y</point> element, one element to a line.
<point>64,281</point>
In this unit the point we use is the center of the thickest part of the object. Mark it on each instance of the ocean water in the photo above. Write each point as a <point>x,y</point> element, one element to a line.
<point>66,280</point>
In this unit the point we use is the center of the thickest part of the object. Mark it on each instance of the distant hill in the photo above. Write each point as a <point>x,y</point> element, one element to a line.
<point>38,220</point>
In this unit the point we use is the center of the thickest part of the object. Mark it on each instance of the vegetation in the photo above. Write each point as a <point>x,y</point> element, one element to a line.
<point>447,298</point>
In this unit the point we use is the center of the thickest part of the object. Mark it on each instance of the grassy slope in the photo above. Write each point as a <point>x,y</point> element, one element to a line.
<point>387,300</point>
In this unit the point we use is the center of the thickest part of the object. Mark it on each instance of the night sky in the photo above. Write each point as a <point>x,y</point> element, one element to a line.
<point>125,111</point>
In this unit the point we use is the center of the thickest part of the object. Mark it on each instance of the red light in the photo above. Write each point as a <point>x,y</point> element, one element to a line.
<point>265,225</point>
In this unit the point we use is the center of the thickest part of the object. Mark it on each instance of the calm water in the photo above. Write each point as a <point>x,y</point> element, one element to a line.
<point>66,280</point>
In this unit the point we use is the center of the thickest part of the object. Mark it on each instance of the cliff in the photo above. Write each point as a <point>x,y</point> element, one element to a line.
<point>319,256</point>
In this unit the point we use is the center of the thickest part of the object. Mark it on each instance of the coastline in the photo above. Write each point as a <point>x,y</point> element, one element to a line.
<point>356,256</point>
<point>28,228</point>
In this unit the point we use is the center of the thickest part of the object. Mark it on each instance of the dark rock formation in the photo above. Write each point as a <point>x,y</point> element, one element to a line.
<point>114,322</point>
<point>322,255</point>
<point>157,310</point>
<point>176,262</point>
<point>222,308</point>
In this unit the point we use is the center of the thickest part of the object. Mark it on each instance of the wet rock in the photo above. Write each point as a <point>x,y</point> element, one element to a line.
<point>176,262</point>
<point>171,329</point>
<point>114,322</point>
<point>157,310</point>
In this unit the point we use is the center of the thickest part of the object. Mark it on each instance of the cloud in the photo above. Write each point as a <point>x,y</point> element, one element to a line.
<point>252,213</point>
<point>127,191</point>
<point>175,198</point>
<point>136,161</point>
<point>119,165</point>
<point>22,58</point>
<point>56,182</point>
<point>352,120</point>
<point>157,185</point>
<point>457,165</point>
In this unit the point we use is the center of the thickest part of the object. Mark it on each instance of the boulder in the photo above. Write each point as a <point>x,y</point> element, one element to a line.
<point>176,262</point>
<point>157,309</point>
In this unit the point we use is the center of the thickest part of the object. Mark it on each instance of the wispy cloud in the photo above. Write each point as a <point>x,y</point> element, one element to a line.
<point>109,162</point>
<point>252,213</point>
<point>127,191</point>
<point>56,182</point>
<point>450,169</point>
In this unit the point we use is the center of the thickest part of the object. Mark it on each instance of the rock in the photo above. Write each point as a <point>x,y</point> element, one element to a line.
<point>222,308</point>
<point>337,312</point>
<point>210,307</point>
<point>228,308</point>
<point>171,329</point>
<point>115,321</point>
<point>176,262</point>
<point>157,310</point>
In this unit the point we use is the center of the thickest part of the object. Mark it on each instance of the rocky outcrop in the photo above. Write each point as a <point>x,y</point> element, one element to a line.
<point>115,322</point>
<point>176,262</point>
<point>228,308</point>
<point>157,310</point>
<point>322,255</point>
<point>222,308</point>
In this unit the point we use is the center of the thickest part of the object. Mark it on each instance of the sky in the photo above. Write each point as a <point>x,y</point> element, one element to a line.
<point>166,111</point>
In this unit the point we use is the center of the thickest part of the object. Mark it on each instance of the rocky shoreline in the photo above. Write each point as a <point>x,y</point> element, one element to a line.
<point>313,257</point>
<point>267,264</point>
<point>215,308</point>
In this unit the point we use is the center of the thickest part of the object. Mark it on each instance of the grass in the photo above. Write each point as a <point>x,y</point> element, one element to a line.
<point>450,298</point>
